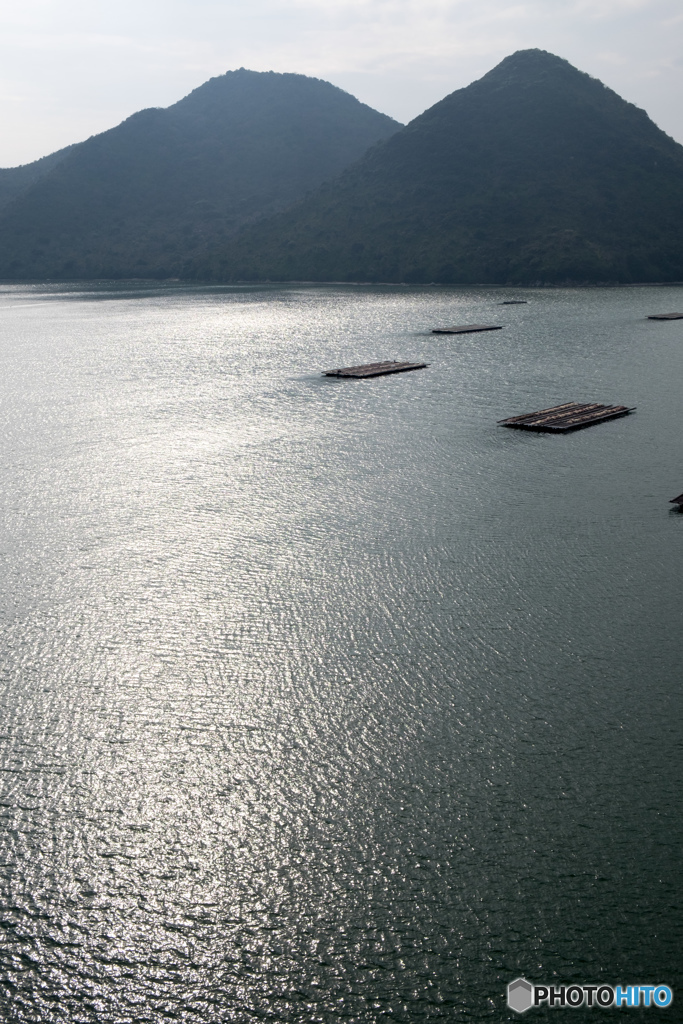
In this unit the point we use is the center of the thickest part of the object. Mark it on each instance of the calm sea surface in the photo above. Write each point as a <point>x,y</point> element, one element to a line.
<point>334,701</point>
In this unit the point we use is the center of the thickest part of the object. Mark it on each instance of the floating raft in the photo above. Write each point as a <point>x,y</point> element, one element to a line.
<point>666,316</point>
<point>563,418</point>
<point>374,369</point>
<point>467,329</point>
<point>677,501</point>
<point>514,302</point>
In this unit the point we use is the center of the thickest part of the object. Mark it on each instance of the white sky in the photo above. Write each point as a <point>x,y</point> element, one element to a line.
<point>72,68</point>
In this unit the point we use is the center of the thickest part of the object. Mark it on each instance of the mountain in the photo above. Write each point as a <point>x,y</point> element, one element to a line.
<point>535,173</point>
<point>143,198</point>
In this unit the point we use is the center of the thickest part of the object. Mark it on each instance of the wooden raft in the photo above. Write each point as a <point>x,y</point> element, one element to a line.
<point>467,329</point>
<point>514,302</point>
<point>562,418</point>
<point>666,316</point>
<point>374,369</point>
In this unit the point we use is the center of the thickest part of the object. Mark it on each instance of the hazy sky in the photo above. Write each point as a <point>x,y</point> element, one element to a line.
<point>71,68</point>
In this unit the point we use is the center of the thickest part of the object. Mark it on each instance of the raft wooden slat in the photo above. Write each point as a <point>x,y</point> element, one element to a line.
<point>374,369</point>
<point>467,329</point>
<point>562,418</point>
<point>666,316</point>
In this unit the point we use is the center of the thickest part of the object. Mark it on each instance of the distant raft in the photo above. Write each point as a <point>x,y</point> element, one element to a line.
<point>514,302</point>
<point>560,419</point>
<point>467,329</point>
<point>666,316</point>
<point>374,369</point>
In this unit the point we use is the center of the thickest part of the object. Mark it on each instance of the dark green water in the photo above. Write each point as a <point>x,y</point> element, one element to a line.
<point>333,701</point>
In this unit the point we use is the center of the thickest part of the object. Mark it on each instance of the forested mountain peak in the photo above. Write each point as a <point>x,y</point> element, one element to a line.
<point>142,198</point>
<point>535,172</point>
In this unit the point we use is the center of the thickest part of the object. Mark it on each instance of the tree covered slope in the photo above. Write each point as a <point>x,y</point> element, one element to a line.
<point>143,198</point>
<point>536,172</point>
<point>16,180</point>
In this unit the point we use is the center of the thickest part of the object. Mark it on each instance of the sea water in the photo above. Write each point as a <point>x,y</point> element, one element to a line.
<point>332,700</point>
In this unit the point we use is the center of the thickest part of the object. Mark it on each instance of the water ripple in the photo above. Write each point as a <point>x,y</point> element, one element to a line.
<point>328,700</point>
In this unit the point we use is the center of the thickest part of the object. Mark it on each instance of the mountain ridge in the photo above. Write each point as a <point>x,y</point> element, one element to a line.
<point>144,196</point>
<point>535,172</point>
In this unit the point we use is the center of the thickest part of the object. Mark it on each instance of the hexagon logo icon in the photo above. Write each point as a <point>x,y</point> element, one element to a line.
<point>520,995</point>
